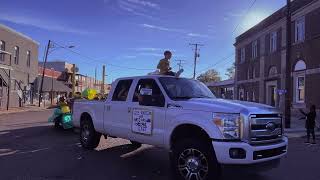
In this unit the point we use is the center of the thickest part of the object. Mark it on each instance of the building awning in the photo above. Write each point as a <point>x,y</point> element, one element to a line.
<point>6,67</point>
<point>229,82</point>
<point>50,84</point>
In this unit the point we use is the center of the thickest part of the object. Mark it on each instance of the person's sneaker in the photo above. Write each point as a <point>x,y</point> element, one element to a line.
<point>179,73</point>
<point>313,142</point>
<point>307,142</point>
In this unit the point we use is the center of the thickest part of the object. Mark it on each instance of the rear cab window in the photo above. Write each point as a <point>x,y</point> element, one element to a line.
<point>122,90</point>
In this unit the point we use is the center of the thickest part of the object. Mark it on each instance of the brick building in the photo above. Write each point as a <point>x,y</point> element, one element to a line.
<point>23,67</point>
<point>82,81</point>
<point>261,58</point>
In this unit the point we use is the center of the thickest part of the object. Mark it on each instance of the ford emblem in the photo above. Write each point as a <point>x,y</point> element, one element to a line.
<point>271,126</point>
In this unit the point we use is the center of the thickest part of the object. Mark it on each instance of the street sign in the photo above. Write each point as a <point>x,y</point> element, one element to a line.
<point>282,91</point>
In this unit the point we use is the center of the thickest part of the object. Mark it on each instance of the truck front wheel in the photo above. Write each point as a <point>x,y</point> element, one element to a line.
<point>194,159</point>
<point>89,138</point>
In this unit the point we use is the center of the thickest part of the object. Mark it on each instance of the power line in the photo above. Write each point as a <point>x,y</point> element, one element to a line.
<point>95,60</point>
<point>221,60</point>
<point>247,12</point>
<point>235,29</point>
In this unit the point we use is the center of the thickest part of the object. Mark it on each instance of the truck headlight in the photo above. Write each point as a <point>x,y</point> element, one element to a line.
<point>229,124</point>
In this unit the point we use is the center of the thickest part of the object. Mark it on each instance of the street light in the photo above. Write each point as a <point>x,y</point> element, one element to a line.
<point>52,70</point>
<point>9,77</point>
<point>53,46</point>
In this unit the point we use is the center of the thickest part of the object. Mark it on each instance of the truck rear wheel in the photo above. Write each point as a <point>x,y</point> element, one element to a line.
<point>89,138</point>
<point>194,159</point>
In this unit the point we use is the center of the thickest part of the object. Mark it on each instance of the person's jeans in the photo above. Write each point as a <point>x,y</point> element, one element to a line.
<point>311,131</point>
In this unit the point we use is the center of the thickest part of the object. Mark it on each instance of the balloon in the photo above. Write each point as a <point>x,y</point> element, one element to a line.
<point>89,93</point>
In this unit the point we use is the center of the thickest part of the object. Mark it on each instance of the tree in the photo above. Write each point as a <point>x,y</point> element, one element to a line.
<point>231,71</point>
<point>210,76</point>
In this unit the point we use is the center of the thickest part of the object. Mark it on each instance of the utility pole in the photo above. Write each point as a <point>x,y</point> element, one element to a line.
<point>95,78</point>
<point>287,109</point>
<point>73,79</point>
<point>180,63</point>
<point>43,71</point>
<point>52,73</point>
<point>103,78</point>
<point>196,55</point>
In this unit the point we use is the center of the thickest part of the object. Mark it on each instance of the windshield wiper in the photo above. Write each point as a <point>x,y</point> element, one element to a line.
<point>204,97</point>
<point>182,97</point>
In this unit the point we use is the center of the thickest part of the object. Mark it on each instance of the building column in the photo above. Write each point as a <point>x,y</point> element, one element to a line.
<point>282,80</point>
<point>261,70</point>
<point>235,88</point>
<point>261,82</point>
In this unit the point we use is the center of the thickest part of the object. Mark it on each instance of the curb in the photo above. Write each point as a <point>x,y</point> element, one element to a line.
<point>30,110</point>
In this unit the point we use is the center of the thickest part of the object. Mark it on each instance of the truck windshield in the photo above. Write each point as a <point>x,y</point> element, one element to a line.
<point>181,88</point>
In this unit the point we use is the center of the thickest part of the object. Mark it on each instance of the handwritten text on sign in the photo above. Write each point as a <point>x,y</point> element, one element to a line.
<point>142,121</point>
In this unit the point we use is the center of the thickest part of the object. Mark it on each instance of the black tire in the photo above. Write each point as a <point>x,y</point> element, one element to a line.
<point>136,144</point>
<point>193,157</point>
<point>57,122</point>
<point>89,138</point>
<point>57,125</point>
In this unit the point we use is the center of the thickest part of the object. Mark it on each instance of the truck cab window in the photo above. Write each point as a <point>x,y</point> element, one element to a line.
<point>157,95</point>
<point>122,90</point>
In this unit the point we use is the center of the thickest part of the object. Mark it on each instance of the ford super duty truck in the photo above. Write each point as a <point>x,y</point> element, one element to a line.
<point>200,132</point>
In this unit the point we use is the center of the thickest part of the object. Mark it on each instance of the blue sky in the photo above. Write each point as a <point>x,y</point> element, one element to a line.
<point>134,33</point>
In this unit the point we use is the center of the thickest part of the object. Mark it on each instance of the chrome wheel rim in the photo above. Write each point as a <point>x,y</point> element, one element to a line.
<point>85,133</point>
<point>193,165</point>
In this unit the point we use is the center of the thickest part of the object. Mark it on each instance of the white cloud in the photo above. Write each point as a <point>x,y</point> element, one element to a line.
<point>41,23</point>
<point>198,35</point>
<point>151,54</point>
<point>231,15</point>
<point>144,3</point>
<point>147,49</point>
<point>138,7</point>
<point>160,28</point>
<point>236,14</point>
<point>129,56</point>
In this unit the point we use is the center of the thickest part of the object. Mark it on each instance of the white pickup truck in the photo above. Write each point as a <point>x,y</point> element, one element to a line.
<point>202,133</point>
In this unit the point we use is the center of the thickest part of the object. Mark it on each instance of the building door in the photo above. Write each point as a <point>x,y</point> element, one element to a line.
<point>271,93</point>
<point>151,129</point>
<point>273,97</point>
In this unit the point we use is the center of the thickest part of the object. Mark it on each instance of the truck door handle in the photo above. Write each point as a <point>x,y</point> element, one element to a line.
<point>129,109</point>
<point>108,108</point>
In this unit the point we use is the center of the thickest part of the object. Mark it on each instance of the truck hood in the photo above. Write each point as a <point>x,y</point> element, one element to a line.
<point>227,106</point>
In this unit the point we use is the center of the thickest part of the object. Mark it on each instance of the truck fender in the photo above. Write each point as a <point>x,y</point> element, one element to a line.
<point>189,119</point>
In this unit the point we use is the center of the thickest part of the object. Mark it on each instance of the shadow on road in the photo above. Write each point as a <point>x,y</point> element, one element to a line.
<point>47,153</point>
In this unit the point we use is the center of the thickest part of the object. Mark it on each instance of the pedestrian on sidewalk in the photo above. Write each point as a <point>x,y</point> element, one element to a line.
<point>310,123</point>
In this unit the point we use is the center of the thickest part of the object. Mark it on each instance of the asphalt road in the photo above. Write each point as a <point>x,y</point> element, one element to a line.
<point>30,148</point>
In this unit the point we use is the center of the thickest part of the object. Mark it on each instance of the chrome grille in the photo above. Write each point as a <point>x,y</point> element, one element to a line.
<point>265,128</point>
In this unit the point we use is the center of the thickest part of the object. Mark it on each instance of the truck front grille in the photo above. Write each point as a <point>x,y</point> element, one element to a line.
<point>265,128</point>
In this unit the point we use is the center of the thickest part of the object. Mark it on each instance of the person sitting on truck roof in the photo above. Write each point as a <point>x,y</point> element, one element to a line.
<point>164,65</point>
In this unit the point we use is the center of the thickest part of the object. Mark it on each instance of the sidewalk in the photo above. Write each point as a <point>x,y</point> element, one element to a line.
<point>26,108</point>
<point>298,128</point>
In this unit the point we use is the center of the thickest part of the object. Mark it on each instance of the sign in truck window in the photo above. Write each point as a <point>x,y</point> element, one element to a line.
<point>142,121</point>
